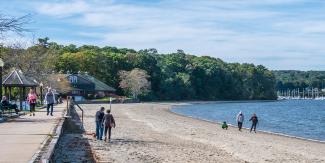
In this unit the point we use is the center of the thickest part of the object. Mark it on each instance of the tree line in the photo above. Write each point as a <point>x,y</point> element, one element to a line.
<point>293,79</point>
<point>174,76</point>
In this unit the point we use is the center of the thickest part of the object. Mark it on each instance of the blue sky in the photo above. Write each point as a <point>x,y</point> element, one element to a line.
<point>280,34</point>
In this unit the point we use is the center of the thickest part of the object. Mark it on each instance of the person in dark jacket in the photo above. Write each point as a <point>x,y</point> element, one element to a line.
<point>108,122</point>
<point>50,100</point>
<point>99,123</point>
<point>6,103</point>
<point>254,120</point>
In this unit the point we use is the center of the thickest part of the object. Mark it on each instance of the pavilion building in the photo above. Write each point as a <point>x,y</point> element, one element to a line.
<point>16,79</point>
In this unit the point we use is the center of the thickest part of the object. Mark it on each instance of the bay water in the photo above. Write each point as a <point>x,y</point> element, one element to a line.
<point>300,118</point>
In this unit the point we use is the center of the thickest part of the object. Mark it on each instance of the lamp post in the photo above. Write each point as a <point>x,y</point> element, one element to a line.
<point>41,86</point>
<point>1,66</point>
<point>110,103</point>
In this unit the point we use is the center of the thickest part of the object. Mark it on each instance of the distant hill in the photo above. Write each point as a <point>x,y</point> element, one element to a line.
<point>291,79</point>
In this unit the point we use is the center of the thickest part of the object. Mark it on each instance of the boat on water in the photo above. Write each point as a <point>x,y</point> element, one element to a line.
<point>299,98</point>
<point>320,98</point>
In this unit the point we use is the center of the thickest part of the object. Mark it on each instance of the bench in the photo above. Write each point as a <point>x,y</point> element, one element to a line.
<point>7,109</point>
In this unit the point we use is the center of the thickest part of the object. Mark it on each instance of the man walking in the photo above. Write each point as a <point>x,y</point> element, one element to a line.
<point>50,100</point>
<point>240,120</point>
<point>99,123</point>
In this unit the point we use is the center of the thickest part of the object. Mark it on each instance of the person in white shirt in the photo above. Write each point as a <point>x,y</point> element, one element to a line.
<point>50,100</point>
<point>240,120</point>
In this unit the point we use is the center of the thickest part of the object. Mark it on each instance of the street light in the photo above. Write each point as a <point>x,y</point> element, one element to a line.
<point>1,66</point>
<point>41,86</point>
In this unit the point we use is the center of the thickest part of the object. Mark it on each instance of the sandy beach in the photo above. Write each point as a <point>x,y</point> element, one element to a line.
<point>149,132</point>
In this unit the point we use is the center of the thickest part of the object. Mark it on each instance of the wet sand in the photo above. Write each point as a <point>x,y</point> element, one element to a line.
<point>149,132</point>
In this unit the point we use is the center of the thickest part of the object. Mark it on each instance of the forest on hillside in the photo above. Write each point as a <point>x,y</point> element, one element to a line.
<point>174,76</point>
<point>293,79</point>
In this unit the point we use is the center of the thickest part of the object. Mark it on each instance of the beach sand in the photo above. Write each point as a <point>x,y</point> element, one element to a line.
<point>149,132</point>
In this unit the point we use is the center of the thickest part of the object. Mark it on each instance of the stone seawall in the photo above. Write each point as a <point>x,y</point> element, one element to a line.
<point>72,145</point>
<point>67,142</point>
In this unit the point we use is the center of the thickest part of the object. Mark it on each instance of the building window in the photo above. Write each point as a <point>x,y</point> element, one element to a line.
<point>75,92</point>
<point>73,79</point>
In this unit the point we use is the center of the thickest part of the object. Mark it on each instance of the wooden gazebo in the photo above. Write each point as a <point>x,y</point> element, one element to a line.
<point>17,79</point>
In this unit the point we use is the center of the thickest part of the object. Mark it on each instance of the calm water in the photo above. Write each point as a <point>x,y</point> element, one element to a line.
<point>303,118</point>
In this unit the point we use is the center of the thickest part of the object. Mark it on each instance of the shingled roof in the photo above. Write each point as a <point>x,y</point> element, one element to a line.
<point>99,85</point>
<point>17,79</point>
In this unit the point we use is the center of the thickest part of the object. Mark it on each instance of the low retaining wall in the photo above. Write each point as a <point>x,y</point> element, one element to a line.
<point>55,149</point>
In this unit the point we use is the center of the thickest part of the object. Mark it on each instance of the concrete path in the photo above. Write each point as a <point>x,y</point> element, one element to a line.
<point>21,138</point>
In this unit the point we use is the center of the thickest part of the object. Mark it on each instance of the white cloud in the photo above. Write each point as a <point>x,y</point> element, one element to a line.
<point>267,32</point>
<point>63,9</point>
<point>303,26</point>
<point>315,28</point>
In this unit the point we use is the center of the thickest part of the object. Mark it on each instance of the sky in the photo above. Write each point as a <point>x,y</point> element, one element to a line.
<point>279,34</point>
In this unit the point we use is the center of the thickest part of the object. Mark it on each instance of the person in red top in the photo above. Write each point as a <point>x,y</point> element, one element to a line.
<point>31,99</point>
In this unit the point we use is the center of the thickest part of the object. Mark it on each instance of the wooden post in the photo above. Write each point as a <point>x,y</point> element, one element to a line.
<point>68,108</point>
<point>24,92</point>
<point>9,96</point>
<point>6,92</point>
<point>21,98</point>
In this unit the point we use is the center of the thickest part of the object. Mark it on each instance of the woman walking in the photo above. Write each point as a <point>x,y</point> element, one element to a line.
<point>109,122</point>
<point>240,120</point>
<point>31,99</point>
<point>254,120</point>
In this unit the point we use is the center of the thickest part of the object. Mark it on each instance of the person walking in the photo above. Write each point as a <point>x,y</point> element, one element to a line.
<point>109,122</point>
<point>240,120</point>
<point>31,99</point>
<point>99,123</point>
<point>254,120</point>
<point>50,100</point>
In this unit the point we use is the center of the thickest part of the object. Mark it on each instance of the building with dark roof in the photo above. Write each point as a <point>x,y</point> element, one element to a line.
<point>85,85</point>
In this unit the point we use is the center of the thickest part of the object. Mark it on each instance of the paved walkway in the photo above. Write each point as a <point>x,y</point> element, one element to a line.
<point>22,137</point>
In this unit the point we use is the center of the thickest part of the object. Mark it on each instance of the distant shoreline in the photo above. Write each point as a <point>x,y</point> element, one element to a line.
<point>207,102</point>
<point>175,103</point>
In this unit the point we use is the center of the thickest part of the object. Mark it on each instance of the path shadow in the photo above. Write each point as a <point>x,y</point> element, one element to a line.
<point>130,141</point>
<point>44,111</point>
<point>72,145</point>
<point>24,120</point>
